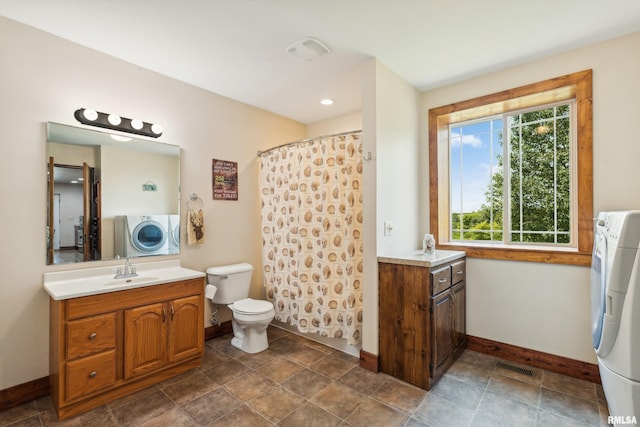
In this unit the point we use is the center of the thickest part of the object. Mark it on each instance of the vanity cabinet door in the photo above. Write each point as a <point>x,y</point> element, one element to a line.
<point>459,293</point>
<point>185,337</point>
<point>442,329</point>
<point>145,339</point>
<point>162,333</point>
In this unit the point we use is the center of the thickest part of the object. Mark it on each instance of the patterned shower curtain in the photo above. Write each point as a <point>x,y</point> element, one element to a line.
<point>311,234</point>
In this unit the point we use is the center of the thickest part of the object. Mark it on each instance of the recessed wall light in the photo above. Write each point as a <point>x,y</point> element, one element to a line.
<point>326,101</point>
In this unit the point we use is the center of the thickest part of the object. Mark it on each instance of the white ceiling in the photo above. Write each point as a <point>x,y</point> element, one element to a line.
<point>236,48</point>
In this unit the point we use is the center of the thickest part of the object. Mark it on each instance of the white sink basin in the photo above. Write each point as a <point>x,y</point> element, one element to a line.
<point>140,280</point>
<point>420,259</point>
<point>92,281</point>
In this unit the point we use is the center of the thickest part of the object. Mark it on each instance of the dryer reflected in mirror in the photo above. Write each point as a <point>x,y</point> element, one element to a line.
<point>141,235</point>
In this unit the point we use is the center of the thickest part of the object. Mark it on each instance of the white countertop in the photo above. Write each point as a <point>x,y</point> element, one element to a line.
<point>62,285</point>
<point>419,259</point>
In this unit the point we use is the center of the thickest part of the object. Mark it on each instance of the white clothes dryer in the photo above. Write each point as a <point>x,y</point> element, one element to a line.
<point>141,235</point>
<point>174,234</point>
<point>615,309</point>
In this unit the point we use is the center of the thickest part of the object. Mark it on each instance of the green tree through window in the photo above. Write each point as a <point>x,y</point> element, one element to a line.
<point>539,177</point>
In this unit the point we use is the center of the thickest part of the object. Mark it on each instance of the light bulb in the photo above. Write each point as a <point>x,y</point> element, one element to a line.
<point>114,119</point>
<point>90,115</point>
<point>136,124</point>
<point>326,101</point>
<point>156,128</point>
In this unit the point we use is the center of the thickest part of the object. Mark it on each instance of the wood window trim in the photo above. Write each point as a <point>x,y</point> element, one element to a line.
<point>576,85</point>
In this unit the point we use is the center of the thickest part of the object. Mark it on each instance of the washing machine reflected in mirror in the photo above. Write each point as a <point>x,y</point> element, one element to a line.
<point>141,235</point>
<point>174,234</point>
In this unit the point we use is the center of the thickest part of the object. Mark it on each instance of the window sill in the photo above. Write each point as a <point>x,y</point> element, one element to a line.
<point>543,255</point>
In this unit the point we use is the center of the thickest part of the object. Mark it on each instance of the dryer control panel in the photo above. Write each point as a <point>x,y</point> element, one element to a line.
<point>622,228</point>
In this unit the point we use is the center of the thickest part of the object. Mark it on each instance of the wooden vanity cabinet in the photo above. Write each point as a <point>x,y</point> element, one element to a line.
<point>422,315</point>
<point>161,333</point>
<point>108,345</point>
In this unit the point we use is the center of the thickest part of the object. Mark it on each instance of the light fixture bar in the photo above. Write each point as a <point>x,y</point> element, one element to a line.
<point>115,122</point>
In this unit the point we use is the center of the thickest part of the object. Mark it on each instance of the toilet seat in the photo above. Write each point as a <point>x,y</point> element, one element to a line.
<point>252,306</point>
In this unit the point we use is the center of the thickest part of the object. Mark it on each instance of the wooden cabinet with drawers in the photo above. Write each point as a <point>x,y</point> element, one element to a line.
<point>108,345</point>
<point>421,320</point>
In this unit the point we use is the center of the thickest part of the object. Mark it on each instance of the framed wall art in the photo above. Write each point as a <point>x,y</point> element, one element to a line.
<point>225,180</point>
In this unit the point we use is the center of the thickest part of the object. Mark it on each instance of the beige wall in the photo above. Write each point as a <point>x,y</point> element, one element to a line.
<point>545,306</point>
<point>44,78</point>
<point>392,191</point>
<point>344,123</point>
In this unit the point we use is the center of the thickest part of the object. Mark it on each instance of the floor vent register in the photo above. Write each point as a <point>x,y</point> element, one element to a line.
<point>522,371</point>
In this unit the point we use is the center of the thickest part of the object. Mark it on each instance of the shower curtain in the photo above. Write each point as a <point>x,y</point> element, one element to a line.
<point>311,234</point>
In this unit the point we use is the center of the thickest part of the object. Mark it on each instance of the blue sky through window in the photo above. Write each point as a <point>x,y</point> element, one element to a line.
<point>475,150</point>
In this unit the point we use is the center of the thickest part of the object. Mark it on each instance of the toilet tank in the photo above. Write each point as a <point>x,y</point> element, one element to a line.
<point>232,282</point>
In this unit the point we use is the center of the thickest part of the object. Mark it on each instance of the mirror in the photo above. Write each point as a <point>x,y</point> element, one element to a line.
<point>110,196</point>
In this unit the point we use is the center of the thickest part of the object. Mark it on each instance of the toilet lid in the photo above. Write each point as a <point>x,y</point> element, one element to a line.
<point>252,306</point>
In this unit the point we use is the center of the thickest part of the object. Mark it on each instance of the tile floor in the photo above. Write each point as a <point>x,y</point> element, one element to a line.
<point>298,382</point>
<point>65,256</point>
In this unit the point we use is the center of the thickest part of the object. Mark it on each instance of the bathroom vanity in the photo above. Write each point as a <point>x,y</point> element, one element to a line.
<point>110,337</point>
<point>421,315</point>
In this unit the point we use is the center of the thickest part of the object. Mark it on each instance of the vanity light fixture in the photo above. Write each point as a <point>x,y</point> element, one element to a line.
<point>113,121</point>
<point>90,115</point>
<point>137,124</point>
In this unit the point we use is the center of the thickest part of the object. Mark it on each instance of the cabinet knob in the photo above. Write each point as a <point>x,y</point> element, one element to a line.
<point>459,272</point>
<point>442,280</point>
<point>93,374</point>
<point>93,336</point>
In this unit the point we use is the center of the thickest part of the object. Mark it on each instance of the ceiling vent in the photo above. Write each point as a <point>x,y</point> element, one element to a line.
<point>307,49</point>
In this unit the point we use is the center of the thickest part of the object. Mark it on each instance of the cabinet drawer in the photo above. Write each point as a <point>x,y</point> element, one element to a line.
<point>458,272</point>
<point>90,373</point>
<point>91,335</point>
<point>440,280</point>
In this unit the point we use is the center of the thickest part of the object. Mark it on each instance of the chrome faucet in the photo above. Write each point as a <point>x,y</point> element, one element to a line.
<point>129,270</point>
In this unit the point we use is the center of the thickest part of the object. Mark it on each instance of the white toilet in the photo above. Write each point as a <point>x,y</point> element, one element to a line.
<point>229,284</point>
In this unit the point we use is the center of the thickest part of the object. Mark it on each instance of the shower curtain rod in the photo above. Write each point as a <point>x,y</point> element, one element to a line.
<point>301,141</point>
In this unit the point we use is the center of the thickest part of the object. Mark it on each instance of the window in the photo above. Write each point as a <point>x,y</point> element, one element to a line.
<point>511,173</point>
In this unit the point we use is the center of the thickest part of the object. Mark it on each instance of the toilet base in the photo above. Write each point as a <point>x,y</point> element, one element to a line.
<point>250,339</point>
<point>240,344</point>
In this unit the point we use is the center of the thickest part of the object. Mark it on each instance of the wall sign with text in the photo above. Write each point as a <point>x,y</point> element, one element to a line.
<point>225,180</point>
